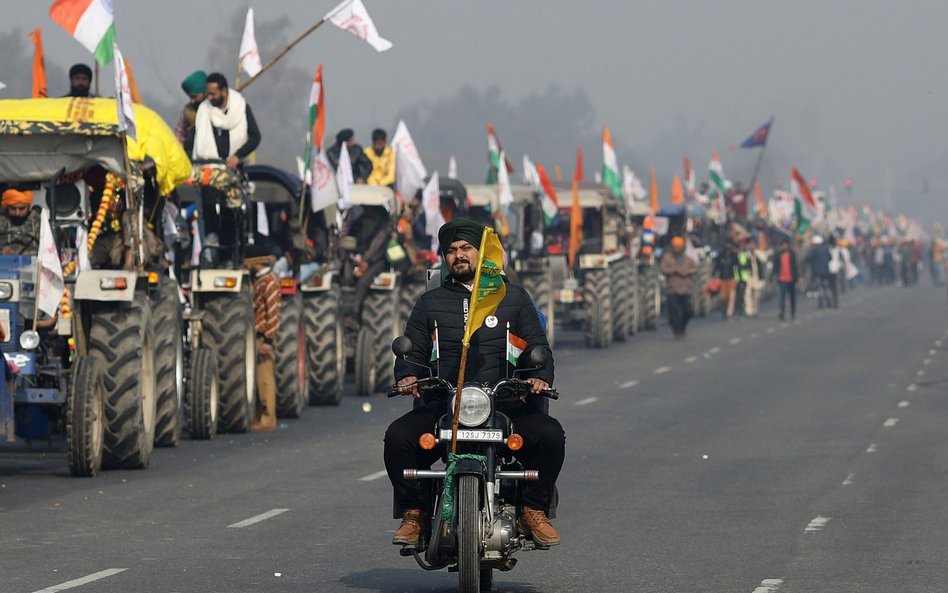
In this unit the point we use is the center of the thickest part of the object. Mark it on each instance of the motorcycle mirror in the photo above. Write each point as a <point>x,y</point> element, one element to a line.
<point>401,346</point>
<point>538,358</point>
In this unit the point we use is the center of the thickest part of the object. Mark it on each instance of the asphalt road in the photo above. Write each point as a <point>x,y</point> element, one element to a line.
<point>754,456</point>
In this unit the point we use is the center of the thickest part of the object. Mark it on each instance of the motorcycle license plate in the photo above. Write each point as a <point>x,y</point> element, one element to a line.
<point>477,435</point>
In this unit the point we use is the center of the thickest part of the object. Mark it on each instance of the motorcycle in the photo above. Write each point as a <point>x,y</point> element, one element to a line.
<point>474,529</point>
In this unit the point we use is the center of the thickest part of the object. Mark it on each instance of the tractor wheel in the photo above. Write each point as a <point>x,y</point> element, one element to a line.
<point>229,334</point>
<point>619,286</point>
<point>85,419</point>
<point>291,362</point>
<point>169,363</point>
<point>365,376</point>
<point>598,304</point>
<point>121,341</point>
<point>203,401</point>
<point>325,348</point>
<point>651,302</point>
<point>380,313</point>
<point>538,286</point>
<point>408,294</point>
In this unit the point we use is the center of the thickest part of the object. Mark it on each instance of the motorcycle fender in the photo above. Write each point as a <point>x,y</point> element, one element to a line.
<point>468,467</point>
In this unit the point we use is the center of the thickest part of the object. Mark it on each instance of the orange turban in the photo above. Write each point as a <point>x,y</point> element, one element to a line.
<point>15,197</point>
<point>678,243</point>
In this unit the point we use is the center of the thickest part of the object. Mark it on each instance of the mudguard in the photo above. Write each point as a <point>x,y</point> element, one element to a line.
<point>468,467</point>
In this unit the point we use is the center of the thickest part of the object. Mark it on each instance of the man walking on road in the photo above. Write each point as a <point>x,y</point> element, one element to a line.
<point>679,271</point>
<point>819,259</point>
<point>266,309</point>
<point>785,271</point>
<point>725,268</point>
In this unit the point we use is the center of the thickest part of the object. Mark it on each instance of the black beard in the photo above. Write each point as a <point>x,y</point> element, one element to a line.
<point>218,102</point>
<point>464,277</point>
<point>17,220</point>
<point>78,91</point>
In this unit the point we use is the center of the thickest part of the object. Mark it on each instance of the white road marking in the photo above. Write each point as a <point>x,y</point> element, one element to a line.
<point>938,343</point>
<point>587,401</point>
<point>912,387</point>
<point>890,422</point>
<point>691,359</point>
<point>920,373</point>
<point>755,335</point>
<point>629,384</point>
<point>258,518</point>
<point>768,586</point>
<point>933,352</point>
<point>849,480</point>
<point>714,350</point>
<point>873,448</point>
<point>735,341</point>
<point>904,404</point>
<point>771,330</point>
<point>661,370</point>
<point>82,581</point>
<point>374,476</point>
<point>817,524</point>
<point>927,361</point>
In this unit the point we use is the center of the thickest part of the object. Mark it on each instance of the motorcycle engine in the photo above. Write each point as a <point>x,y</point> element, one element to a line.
<point>501,542</point>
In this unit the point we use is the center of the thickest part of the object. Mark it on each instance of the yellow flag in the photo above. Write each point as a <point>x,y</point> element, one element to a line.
<point>489,287</point>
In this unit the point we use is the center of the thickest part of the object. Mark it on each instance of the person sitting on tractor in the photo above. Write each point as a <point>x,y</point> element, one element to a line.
<point>195,86</point>
<point>361,165</point>
<point>372,231</point>
<point>383,160</point>
<point>20,224</point>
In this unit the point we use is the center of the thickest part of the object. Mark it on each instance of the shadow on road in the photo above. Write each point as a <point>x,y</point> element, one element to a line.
<point>414,580</point>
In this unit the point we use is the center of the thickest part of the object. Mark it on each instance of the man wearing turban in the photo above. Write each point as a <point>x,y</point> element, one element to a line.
<point>195,87</point>
<point>19,225</point>
<point>446,308</point>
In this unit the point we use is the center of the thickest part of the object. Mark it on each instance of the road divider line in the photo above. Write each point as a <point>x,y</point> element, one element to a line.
<point>735,341</point>
<point>661,370</point>
<point>714,350</point>
<point>258,518</point>
<point>817,524</point>
<point>873,448</point>
<point>629,384</point>
<point>890,422</point>
<point>755,335</point>
<point>933,352</point>
<point>849,480</point>
<point>587,401</point>
<point>771,330</point>
<point>904,403</point>
<point>691,359</point>
<point>938,343</point>
<point>82,580</point>
<point>768,586</point>
<point>912,387</point>
<point>927,361</point>
<point>374,476</point>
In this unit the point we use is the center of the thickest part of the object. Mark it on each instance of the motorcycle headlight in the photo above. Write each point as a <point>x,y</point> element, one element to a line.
<point>29,340</point>
<point>475,406</point>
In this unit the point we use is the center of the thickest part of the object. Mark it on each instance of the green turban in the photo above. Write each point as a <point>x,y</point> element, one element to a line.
<point>460,229</point>
<point>195,83</point>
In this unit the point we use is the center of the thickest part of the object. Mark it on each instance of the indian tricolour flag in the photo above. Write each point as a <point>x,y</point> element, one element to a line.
<point>515,347</point>
<point>317,115</point>
<point>719,182</point>
<point>91,22</point>
<point>610,166</point>
<point>549,203</point>
<point>804,205</point>
<point>435,348</point>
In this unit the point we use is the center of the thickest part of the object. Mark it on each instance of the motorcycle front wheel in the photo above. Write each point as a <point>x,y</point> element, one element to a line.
<point>469,534</point>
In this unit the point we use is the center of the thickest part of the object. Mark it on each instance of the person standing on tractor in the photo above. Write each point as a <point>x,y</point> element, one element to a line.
<point>679,271</point>
<point>266,310</point>
<point>361,165</point>
<point>224,130</point>
<point>80,81</point>
<point>20,224</point>
<point>383,160</point>
<point>195,86</point>
<point>372,230</point>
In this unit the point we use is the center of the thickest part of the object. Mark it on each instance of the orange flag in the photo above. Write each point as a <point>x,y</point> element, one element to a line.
<point>653,192</point>
<point>557,174</point>
<point>761,204</point>
<point>39,66</point>
<point>576,214</point>
<point>132,85</point>
<point>678,194</point>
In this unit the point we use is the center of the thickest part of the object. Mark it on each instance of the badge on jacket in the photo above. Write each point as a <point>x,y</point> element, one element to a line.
<point>491,321</point>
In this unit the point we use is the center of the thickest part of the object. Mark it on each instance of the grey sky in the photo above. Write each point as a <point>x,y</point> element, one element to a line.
<point>857,86</point>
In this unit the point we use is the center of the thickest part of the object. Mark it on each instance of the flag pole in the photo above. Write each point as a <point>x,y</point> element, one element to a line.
<point>760,155</point>
<point>96,63</point>
<point>457,396</point>
<point>286,49</point>
<point>130,201</point>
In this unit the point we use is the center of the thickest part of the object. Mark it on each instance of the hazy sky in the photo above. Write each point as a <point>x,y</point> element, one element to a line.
<point>858,87</point>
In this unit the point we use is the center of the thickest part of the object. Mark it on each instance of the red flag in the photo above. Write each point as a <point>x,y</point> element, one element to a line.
<point>578,175</point>
<point>39,66</point>
<point>759,196</point>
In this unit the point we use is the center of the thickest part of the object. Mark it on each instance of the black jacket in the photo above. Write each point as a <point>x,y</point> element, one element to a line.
<point>819,259</point>
<point>487,356</point>
<point>361,165</point>
<point>222,139</point>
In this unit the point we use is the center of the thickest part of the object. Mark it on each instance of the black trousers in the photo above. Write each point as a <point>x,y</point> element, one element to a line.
<point>218,217</point>
<point>788,290</point>
<point>544,448</point>
<point>679,312</point>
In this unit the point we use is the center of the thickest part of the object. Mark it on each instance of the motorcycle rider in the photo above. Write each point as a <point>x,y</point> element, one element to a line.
<point>544,439</point>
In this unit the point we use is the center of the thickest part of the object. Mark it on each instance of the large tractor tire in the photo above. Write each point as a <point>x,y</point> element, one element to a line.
<point>203,398</point>
<point>229,333</point>
<point>121,341</point>
<point>706,300</point>
<point>408,294</point>
<point>620,287</point>
<point>597,298</point>
<point>325,347</point>
<point>651,301</point>
<point>364,364</point>
<point>539,287</point>
<point>85,418</point>
<point>169,365</point>
<point>380,314</point>
<point>291,371</point>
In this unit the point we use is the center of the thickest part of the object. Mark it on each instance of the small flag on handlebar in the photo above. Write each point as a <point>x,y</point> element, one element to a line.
<point>515,347</point>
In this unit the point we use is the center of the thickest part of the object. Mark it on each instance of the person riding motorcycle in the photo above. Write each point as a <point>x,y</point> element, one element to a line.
<point>447,306</point>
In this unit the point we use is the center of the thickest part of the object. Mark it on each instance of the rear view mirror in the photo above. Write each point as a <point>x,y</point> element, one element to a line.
<point>401,346</point>
<point>538,358</point>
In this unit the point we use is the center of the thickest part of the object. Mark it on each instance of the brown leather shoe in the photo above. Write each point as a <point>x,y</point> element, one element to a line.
<point>410,531</point>
<point>535,524</point>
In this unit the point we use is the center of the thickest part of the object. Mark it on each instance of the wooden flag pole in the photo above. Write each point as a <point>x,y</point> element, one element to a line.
<point>457,397</point>
<point>286,49</point>
<point>760,156</point>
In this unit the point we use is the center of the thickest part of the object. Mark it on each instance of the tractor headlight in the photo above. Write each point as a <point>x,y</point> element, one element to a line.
<point>29,340</point>
<point>6,291</point>
<point>475,406</point>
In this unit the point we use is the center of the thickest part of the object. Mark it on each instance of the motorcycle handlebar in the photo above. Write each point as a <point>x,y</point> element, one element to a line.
<point>518,386</point>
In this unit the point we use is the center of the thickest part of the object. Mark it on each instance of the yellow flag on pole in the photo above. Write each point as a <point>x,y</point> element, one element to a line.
<point>489,288</point>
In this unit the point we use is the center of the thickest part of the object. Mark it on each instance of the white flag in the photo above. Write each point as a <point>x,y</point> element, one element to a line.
<point>351,16</point>
<point>82,240</point>
<point>50,284</point>
<point>503,184</point>
<point>2,86</point>
<point>196,245</point>
<point>123,96</point>
<point>410,172</point>
<point>263,223</point>
<point>530,175</point>
<point>452,168</point>
<point>344,179</point>
<point>431,202</point>
<point>632,189</point>
<point>249,55</point>
<point>325,193</point>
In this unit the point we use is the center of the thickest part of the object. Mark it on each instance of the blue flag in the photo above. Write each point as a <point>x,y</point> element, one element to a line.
<point>759,137</point>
